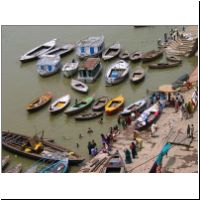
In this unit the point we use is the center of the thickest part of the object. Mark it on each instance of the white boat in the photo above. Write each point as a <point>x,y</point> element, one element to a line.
<point>79,86</point>
<point>90,46</point>
<point>90,70</point>
<point>70,68</point>
<point>48,65</point>
<point>112,51</point>
<point>60,104</point>
<point>38,51</point>
<point>137,106</point>
<point>117,72</point>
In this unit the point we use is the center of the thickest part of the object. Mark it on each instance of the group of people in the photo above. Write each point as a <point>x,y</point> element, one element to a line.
<point>92,148</point>
<point>132,153</point>
<point>124,122</point>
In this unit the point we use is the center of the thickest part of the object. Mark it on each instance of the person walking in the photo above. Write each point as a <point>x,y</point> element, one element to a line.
<point>188,131</point>
<point>128,159</point>
<point>89,147</point>
<point>192,131</point>
<point>133,150</point>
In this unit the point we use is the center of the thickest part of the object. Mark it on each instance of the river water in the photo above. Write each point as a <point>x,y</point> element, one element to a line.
<point>21,83</point>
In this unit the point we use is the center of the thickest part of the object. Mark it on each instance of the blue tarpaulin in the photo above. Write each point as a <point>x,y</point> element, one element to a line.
<point>163,152</point>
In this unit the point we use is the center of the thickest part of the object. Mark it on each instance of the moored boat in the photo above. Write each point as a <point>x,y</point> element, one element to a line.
<point>135,56</point>
<point>4,162</point>
<point>48,65</point>
<point>57,167</point>
<point>61,51</point>
<point>60,104</point>
<point>100,103</point>
<point>151,55</point>
<point>124,55</point>
<point>117,72</point>
<point>15,169</point>
<point>39,102</point>
<point>111,51</point>
<point>89,115</point>
<point>114,105</point>
<point>179,82</point>
<point>79,86</point>
<point>138,75</point>
<point>163,65</point>
<point>174,58</point>
<point>89,71</point>
<point>137,106</point>
<point>38,149</point>
<point>79,106</point>
<point>70,68</point>
<point>90,46</point>
<point>38,51</point>
<point>147,117</point>
<point>115,164</point>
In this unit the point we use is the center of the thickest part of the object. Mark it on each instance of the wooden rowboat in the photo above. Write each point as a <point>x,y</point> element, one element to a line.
<point>164,65</point>
<point>39,102</point>
<point>137,106</point>
<point>79,106</point>
<point>114,105</point>
<point>5,161</point>
<point>58,167</point>
<point>60,104</point>
<point>100,103</point>
<point>124,55</point>
<point>135,56</point>
<point>138,75</point>
<point>151,55</point>
<point>88,116</point>
<point>38,51</point>
<point>79,86</point>
<point>173,58</point>
<point>50,152</point>
<point>115,164</point>
<point>15,169</point>
<point>61,51</point>
<point>111,52</point>
<point>117,72</point>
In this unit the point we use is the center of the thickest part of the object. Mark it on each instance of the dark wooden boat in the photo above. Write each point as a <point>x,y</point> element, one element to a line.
<point>79,86</point>
<point>179,82</point>
<point>80,106</point>
<point>135,56</point>
<point>124,55</point>
<point>163,65</point>
<point>173,58</point>
<point>114,165</point>
<point>15,169</point>
<point>61,51</point>
<point>24,145</point>
<point>58,167</point>
<point>138,75</point>
<point>88,116</point>
<point>5,161</point>
<point>38,51</point>
<point>100,103</point>
<point>151,55</point>
<point>111,52</point>
<point>39,102</point>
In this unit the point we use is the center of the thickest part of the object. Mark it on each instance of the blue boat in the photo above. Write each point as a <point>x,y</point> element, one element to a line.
<point>58,167</point>
<point>48,65</point>
<point>90,46</point>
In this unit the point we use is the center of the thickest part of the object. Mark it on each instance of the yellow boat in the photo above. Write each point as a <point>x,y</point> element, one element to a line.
<point>114,105</point>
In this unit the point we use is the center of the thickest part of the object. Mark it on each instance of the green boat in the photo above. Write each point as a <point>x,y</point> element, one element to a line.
<point>79,106</point>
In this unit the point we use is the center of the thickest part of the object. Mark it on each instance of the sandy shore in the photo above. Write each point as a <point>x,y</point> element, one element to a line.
<point>179,158</point>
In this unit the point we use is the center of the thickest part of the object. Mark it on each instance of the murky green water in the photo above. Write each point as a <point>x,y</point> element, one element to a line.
<point>21,83</point>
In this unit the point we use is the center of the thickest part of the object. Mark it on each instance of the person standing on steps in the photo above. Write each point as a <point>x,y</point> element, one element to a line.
<point>188,131</point>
